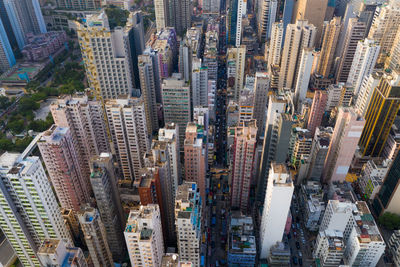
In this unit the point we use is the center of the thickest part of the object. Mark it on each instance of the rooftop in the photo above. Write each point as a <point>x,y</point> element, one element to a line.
<point>49,246</point>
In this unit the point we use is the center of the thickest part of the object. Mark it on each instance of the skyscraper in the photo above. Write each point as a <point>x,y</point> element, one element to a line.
<point>196,156</point>
<point>180,15</point>
<point>199,83</point>
<point>313,11</point>
<point>29,208</point>
<point>161,13</point>
<point>380,115</point>
<point>260,100</point>
<point>393,61</point>
<point>150,85</point>
<point>298,36</point>
<point>275,44</point>
<point>25,16</point>
<point>319,150</point>
<point>236,62</point>
<point>385,27</point>
<point>355,32</point>
<point>303,77</point>
<point>143,236</point>
<point>266,16</point>
<point>86,122</point>
<point>276,207</point>
<point>95,236</point>
<point>244,149</point>
<point>364,60</point>
<point>100,43</point>
<point>127,123</point>
<point>7,59</point>
<point>69,178</point>
<point>104,184</point>
<point>343,145</point>
<point>329,42</point>
<point>317,110</point>
<point>176,103</point>
<point>188,215</point>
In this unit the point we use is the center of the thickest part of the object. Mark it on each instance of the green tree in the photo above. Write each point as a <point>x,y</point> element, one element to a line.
<point>27,104</point>
<point>4,102</point>
<point>16,126</point>
<point>22,143</point>
<point>389,220</point>
<point>6,145</point>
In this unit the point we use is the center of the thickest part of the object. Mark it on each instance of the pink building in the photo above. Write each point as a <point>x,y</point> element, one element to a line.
<point>317,110</point>
<point>195,156</point>
<point>41,46</point>
<point>347,132</point>
<point>71,183</point>
<point>244,148</point>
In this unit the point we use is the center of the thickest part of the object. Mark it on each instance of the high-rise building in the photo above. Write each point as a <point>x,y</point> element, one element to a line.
<point>199,83</point>
<point>241,11</point>
<point>211,6</point>
<point>303,77</point>
<point>185,59</point>
<point>161,9</point>
<point>380,115</point>
<point>188,216</point>
<point>56,252</point>
<point>71,221</point>
<point>7,24</point>
<point>158,162</point>
<point>210,58</point>
<point>85,119</point>
<point>355,32</point>
<point>176,103</point>
<point>266,16</point>
<point>317,110</point>
<point>127,123</point>
<point>275,45</point>
<point>384,28</point>
<point>392,145</point>
<point>7,59</point>
<point>365,93</point>
<point>196,156</point>
<point>95,236</point>
<point>319,151</point>
<point>329,248</point>
<point>104,184</point>
<point>364,60</point>
<point>29,208</point>
<point>260,100</point>
<point>277,136</point>
<point>347,132</point>
<point>372,175</point>
<point>334,96</point>
<point>329,42</point>
<point>25,16</point>
<point>143,236</point>
<point>179,17</point>
<point>387,199</point>
<point>242,248</point>
<point>244,150</point>
<point>301,147</point>
<point>60,156</point>
<point>236,61</point>
<point>100,43</point>
<point>287,16</point>
<point>276,207</point>
<point>298,36</point>
<point>313,11</point>
<point>79,4</point>
<point>394,246</point>
<point>393,60</point>
<point>150,84</point>
<point>170,134</point>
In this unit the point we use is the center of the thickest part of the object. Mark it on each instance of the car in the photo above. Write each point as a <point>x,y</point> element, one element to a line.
<point>297,245</point>
<point>212,244</point>
<point>298,226</point>
<point>300,261</point>
<point>289,236</point>
<point>294,260</point>
<point>300,255</point>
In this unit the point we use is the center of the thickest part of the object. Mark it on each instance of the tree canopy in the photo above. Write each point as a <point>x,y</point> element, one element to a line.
<point>389,220</point>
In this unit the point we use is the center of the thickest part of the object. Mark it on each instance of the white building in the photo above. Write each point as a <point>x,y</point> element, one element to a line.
<point>364,61</point>
<point>334,95</point>
<point>188,223</point>
<point>394,247</point>
<point>95,236</point>
<point>199,84</point>
<point>275,45</point>
<point>368,85</point>
<point>161,13</point>
<point>372,175</point>
<point>303,77</point>
<point>127,123</point>
<point>170,135</point>
<point>329,248</point>
<point>56,252</point>
<point>29,209</point>
<point>144,237</point>
<point>276,207</point>
<point>266,16</point>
